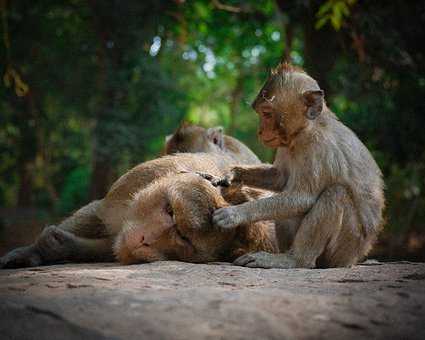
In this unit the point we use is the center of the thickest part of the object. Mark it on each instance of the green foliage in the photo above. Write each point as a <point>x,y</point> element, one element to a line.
<point>74,191</point>
<point>334,12</point>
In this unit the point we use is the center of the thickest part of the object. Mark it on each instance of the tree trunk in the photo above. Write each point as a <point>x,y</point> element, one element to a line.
<point>102,169</point>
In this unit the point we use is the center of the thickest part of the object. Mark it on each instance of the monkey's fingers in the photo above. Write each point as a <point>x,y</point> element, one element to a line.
<point>204,175</point>
<point>226,218</point>
<point>214,180</point>
<point>266,260</point>
<point>223,182</point>
<point>243,260</point>
<point>260,259</point>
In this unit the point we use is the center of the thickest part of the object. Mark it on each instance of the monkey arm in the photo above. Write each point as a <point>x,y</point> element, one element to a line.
<point>264,176</point>
<point>278,207</point>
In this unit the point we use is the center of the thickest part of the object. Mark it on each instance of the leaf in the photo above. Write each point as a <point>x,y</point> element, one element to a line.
<point>321,22</point>
<point>325,8</point>
<point>12,76</point>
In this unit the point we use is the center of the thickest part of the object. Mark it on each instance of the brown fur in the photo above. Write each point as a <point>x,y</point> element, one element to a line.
<point>173,218</point>
<point>329,199</point>
<point>135,208</point>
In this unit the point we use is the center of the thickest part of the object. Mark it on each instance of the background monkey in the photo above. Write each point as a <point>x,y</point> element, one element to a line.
<point>194,138</point>
<point>329,199</point>
<point>89,234</point>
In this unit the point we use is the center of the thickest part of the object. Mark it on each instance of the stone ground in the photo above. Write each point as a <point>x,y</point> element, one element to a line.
<point>175,300</point>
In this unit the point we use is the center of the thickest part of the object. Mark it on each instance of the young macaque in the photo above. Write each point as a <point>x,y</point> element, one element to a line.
<point>194,138</point>
<point>156,205</point>
<point>329,196</point>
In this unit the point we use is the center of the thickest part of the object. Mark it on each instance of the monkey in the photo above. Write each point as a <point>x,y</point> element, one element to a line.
<point>171,220</point>
<point>328,202</point>
<point>194,138</point>
<point>97,229</point>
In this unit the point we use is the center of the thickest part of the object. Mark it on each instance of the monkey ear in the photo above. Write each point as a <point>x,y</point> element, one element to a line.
<point>216,136</point>
<point>314,101</point>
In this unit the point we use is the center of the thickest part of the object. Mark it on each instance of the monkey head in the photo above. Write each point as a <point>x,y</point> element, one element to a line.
<point>193,138</point>
<point>289,102</point>
<point>171,220</point>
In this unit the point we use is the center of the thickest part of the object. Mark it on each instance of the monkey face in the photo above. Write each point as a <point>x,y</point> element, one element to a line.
<point>287,104</point>
<point>171,220</point>
<point>281,119</point>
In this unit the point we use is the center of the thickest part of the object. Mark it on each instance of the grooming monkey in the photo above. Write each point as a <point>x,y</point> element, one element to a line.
<point>328,200</point>
<point>154,211</point>
<point>194,138</point>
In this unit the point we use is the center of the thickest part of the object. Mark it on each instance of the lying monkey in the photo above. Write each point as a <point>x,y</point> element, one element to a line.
<point>155,211</point>
<point>171,220</point>
<point>329,191</point>
<point>194,138</point>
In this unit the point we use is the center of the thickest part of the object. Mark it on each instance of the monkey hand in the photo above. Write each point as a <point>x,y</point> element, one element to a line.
<point>227,218</point>
<point>266,260</point>
<point>215,180</point>
<point>236,175</point>
<point>21,257</point>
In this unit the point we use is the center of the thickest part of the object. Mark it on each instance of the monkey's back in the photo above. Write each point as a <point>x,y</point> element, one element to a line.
<point>240,152</point>
<point>361,174</point>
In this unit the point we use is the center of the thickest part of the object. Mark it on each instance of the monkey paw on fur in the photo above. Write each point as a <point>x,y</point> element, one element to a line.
<point>263,259</point>
<point>21,257</point>
<point>227,218</point>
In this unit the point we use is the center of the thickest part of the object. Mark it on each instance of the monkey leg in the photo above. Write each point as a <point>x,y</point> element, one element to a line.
<point>285,233</point>
<point>21,257</point>
<point>58,245</point>
<point>329,236</point>
<point>85,222</point>
<point>80,237</point>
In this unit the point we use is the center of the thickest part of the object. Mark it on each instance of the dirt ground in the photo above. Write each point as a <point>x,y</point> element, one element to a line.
<point>175,300</point>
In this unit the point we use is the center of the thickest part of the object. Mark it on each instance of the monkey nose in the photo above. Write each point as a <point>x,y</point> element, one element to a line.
<point>143,242</point>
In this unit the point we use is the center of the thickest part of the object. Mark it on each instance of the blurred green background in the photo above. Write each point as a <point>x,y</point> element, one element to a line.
<point>90,88</point>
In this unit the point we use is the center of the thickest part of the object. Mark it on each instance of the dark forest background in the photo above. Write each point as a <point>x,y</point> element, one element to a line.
<point>90,88</point>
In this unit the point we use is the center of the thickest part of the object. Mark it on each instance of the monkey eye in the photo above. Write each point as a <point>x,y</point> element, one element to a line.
<point>215,140</point>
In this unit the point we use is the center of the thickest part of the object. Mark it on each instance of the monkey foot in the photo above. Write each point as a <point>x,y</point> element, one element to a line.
<point>263,259</point>
<point>21,257</point>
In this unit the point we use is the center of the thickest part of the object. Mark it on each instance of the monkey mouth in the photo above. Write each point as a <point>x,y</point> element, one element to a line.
<point>269,140</point>
<point>272,142</point>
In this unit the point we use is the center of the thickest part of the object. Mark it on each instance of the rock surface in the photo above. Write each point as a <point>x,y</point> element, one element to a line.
<point>174,300</point>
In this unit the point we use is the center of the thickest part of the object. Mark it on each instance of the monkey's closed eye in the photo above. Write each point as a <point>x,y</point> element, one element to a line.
<point>169,210</point>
